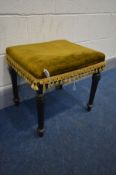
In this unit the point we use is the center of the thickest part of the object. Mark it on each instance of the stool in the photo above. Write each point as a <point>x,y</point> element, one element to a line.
<point>53,63</point>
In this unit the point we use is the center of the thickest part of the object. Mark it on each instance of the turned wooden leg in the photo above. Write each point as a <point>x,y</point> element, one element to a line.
<point>40,110</point>
<point>13,76</point>
<point>95,80</point>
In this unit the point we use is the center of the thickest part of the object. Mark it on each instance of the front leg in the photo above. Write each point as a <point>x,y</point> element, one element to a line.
<point>40,110</point>
<point>13,76</point>
<point>95,81</point>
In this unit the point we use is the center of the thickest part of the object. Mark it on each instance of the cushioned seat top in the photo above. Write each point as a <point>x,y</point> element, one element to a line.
<point>57,57</point>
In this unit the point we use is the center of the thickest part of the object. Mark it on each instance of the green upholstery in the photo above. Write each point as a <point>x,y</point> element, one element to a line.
<point>57,57</point>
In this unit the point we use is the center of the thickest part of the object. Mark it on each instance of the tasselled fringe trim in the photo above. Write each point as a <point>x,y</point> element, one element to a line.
<point>57,79</point>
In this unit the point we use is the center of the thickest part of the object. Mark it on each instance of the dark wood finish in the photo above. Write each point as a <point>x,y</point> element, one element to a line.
<point>40,110</point>
<point>40,97</point>
<point>13,76</point>
<point>95,80</point>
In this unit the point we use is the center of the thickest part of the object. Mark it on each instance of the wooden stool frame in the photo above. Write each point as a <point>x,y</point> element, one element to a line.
<point>40,97</point>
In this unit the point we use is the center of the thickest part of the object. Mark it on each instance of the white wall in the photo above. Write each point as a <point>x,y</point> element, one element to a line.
<point>89,22</point>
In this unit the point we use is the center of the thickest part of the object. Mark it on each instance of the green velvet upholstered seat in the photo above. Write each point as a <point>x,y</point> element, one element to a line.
<point>57,57</point>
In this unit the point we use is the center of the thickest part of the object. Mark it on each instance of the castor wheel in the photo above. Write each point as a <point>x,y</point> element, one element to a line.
<point>16,101</point>
<point>40,132</point>
<point>89,107</point>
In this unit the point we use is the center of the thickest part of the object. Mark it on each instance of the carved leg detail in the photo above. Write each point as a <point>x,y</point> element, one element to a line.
<point>40,109</point>
<point>95,80</point>
<point>13,75</point>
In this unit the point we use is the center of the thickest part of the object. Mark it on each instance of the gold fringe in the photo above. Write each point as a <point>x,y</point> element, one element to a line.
<point>57,79</point>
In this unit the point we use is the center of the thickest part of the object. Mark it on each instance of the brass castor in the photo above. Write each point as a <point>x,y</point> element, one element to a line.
<point>40,132</point>
<point>89,107</point>
<point>16,101</point>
